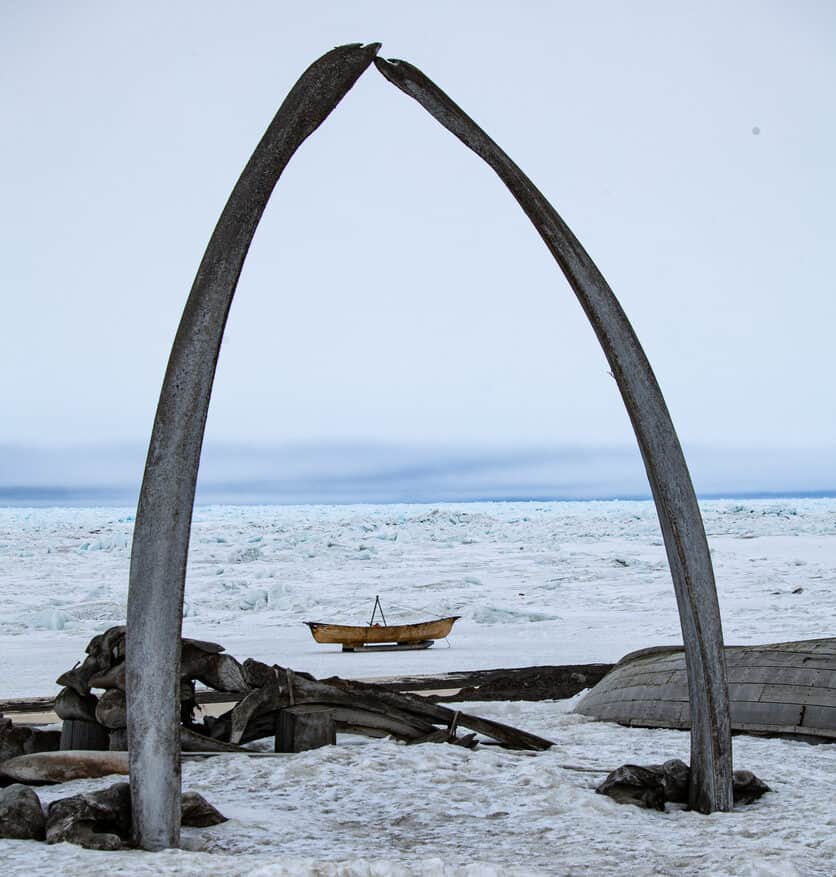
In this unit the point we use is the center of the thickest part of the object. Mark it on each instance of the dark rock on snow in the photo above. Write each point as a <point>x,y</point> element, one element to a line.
<point>675,778</point>
<point>747,787</point>
<point>97,820</point>
<point>197,812</point>
<point>102,820</point>
<point>21,815</point>
<point>653,786</point>
<point>633,784</point>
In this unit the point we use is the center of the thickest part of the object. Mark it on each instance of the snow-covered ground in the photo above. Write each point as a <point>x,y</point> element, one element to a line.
<point>535,583</point>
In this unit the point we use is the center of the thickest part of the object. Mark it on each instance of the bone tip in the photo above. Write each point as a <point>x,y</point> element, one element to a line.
<point>370,48</point>
<point>387,66</point>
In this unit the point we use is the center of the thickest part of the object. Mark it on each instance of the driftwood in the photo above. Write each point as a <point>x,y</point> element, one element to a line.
<point>193,741</point>
<point>552,682</point>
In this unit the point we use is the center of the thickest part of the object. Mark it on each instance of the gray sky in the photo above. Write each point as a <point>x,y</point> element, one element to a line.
<point>394,291</point>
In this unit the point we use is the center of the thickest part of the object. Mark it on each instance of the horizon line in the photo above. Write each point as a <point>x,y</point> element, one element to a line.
<point>78,497</point>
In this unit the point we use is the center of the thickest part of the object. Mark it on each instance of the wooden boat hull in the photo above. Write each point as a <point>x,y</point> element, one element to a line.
<point>777,689</point>
<point>350,636</point>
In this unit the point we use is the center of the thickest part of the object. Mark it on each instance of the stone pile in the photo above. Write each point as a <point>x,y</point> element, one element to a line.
<point>99,820</point>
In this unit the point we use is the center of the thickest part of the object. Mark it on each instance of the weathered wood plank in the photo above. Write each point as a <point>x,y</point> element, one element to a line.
<point>785,714</point>
<point>823,717</point>
<point>27,705</point>
<point>799,694</point>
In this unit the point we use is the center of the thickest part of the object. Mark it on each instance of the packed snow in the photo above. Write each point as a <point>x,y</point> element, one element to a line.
<point>534,583</point>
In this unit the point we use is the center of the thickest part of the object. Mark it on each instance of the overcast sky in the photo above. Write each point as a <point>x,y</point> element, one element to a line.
<point>394,291</point>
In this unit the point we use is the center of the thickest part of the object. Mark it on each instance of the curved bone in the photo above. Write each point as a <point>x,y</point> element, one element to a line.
<point>667,471</point>
<point>163,518</point>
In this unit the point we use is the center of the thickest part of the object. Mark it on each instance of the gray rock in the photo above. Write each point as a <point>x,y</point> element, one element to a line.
<point>21,815</point>
<point>71,705</point>
<point>107,648</point>
<point>197,812</point>
<point>113,677</point>
<point>103,820</point>
<point>18,740</point>
<point>97,820</point>
<point>747,787</point>
<point>632,784</point>
<point>676,776</point>
<point>112,711</point>
<point>656,784</point>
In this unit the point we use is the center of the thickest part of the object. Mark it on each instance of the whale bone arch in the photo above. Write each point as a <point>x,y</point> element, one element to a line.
<point>163,519</point>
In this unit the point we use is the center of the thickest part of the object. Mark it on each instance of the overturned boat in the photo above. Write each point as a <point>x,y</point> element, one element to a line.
<point>784,689</point>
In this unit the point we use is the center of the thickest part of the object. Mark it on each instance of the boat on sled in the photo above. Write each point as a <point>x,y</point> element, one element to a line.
<point>382,637</point>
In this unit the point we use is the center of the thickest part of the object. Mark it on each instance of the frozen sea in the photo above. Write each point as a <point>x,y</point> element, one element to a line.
<point>534,583</point>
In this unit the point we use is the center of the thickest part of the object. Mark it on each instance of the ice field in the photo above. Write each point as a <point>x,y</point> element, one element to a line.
<point>534,583</point>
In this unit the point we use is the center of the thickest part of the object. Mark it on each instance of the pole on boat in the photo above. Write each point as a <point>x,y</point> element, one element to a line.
<point>374,611</point>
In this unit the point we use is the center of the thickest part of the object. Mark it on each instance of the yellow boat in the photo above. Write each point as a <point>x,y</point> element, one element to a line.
<point>382,636</point>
